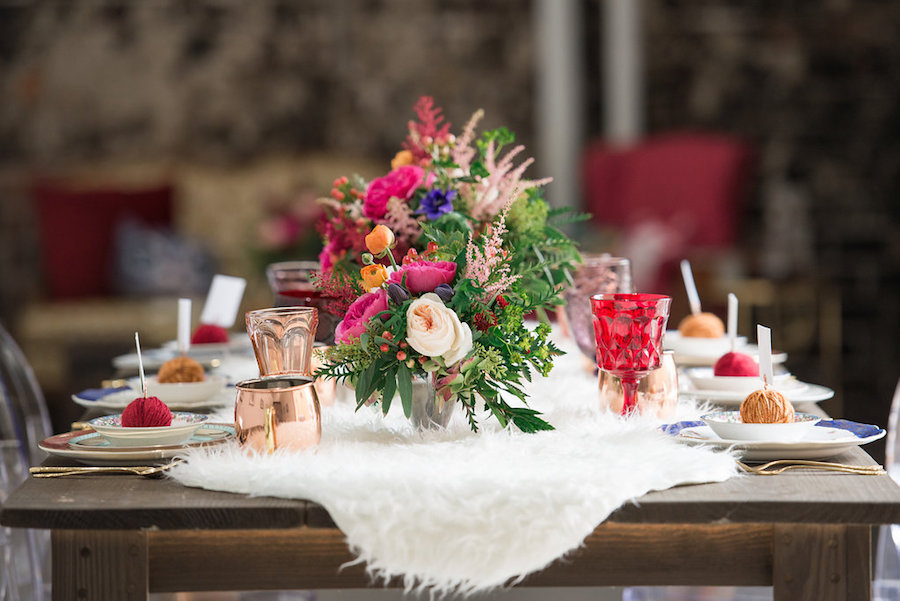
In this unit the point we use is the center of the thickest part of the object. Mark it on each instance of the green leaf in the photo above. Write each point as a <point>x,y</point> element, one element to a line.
<point>387,393</point>
<point>404,385</point>
<point>364,339</point>
<point>364,384</point>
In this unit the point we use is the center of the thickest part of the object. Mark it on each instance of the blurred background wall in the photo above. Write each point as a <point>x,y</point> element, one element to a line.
<point>242,109</point>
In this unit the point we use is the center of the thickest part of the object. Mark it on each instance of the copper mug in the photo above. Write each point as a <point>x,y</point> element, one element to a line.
<point>280,412</point>
<point>657,392</point>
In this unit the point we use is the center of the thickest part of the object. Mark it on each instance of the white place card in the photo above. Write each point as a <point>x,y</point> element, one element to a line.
<point>223,301</point>
<point>184,325</point>
<point>732,319</point>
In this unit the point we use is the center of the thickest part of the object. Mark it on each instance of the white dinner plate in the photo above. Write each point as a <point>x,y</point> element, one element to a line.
<point>237,343</point>
<point>802,393</point>
<point>826,439</point>
<point>154,358</point>
<point>88,447</point>
<point>117,399</point>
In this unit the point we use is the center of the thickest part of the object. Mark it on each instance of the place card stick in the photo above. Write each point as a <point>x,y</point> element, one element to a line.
<point>764,342</point>
<point>137,344</point>
<point>184,325</point>
<point>732,320</point>
<point>690,286</point>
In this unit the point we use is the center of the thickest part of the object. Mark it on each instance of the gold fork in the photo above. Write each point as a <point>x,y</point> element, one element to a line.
<point>143,470</point>
<point>782,465</point>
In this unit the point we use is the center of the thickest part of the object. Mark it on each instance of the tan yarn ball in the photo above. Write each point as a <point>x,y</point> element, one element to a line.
<point>180,369</point>
<point>702,325</point>
<point>766,407</point>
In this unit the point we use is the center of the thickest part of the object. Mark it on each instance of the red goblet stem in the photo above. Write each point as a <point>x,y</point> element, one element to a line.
<point>629,391</point>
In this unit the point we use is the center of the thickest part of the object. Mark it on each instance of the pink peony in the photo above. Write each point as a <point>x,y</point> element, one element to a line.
<point>400,183</point>
<point>358,315</point>
<point>425,276</point>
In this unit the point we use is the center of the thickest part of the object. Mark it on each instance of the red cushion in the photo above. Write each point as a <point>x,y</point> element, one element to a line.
<point>77,232</point>
<point>689,180</point>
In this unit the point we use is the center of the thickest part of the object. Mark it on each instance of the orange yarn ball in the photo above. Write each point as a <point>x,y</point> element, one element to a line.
<point>702,325</point>
<point>180,369</point>
<point>766,407</point>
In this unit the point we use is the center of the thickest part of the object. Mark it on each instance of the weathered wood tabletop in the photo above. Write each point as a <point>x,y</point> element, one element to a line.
<point>806,533</point>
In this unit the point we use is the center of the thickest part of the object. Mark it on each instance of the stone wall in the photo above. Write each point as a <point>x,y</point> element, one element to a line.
<point>227,80</point>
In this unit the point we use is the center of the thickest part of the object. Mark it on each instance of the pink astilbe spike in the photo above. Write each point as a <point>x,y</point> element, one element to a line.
<point>402,221</point>
<point>505,183</point>
<point>490,266</point>
<point>463,152</point>
<point>429,128</point>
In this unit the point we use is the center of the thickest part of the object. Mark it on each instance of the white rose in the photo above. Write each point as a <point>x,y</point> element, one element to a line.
<point>434,330</point>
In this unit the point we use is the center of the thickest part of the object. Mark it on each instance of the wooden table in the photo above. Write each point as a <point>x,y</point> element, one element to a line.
<point>808,534</point>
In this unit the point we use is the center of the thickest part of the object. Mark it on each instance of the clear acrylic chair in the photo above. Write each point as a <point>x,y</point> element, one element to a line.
<point>27,405</point>
<point>886,584</point>
<point>24,422</point>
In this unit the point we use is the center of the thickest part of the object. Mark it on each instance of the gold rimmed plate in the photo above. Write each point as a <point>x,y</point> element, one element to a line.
<point>88,447</point>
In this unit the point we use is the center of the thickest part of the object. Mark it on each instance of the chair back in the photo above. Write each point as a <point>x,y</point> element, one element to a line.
<point>25,405</point>
<point>886,583</point>
<point>24,422</point>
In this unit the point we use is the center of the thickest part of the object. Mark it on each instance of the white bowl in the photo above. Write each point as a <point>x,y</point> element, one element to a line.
<point>703,378</point>
<point>700,347</point>
<point>180,392</point>
<point>728,426</point>
<point>183,427</point>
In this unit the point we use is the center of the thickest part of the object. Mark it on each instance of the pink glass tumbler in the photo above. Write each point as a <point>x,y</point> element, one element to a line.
<point>629,330</point>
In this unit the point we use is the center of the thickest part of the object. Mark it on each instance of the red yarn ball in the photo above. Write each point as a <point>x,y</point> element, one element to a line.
<point>146,412</point>
<point>209,334</point>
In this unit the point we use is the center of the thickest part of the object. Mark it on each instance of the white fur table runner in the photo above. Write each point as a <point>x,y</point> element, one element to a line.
<point>455,511</point>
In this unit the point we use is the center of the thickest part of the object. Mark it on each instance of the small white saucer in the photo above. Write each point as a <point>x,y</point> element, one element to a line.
<point>182,429</point>
<point>728,426</point>
<point>703,378</point>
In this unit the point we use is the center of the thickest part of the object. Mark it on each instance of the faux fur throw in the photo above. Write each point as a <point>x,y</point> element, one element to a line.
<point>454,511</point>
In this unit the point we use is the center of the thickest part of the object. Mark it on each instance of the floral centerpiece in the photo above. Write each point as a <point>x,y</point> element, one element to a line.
<point>454,317</point>
<point>451,184</point>
<point>481,250</point>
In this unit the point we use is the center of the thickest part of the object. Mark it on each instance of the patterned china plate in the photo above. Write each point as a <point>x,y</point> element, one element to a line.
<point>88,447</point>
<point>826,439</point>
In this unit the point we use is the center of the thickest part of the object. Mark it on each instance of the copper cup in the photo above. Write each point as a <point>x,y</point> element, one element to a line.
<point>657,392</point>
<point>283,339</point>
<point>277,413</point>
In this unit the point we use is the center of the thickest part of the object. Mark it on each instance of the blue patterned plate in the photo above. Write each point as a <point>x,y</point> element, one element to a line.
<point>827,438</point>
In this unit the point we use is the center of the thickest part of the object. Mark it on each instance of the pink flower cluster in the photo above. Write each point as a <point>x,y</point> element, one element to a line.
<point>399,183</point>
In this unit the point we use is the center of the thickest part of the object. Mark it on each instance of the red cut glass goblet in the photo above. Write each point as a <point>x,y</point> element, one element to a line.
<point>629,330</point>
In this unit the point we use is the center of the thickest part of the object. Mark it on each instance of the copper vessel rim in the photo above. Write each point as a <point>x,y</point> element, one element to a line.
<point>281,310</point>
<point>302,381</point>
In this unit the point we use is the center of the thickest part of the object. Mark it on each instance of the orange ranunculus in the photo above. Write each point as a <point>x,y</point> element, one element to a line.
<point>380,238</point>
<point>404,157</point>
<point>374,276</point>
